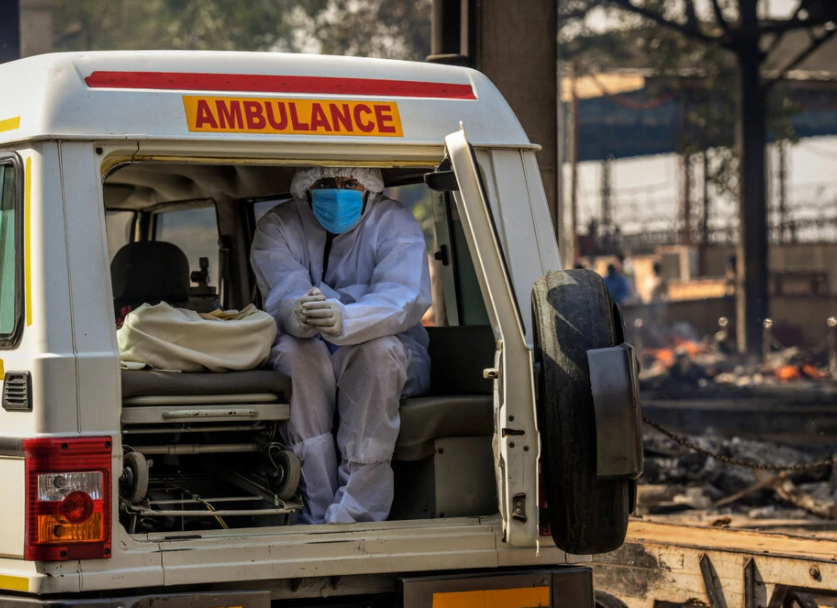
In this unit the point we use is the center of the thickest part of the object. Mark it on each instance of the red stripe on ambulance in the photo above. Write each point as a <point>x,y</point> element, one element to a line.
<point>261,83</point>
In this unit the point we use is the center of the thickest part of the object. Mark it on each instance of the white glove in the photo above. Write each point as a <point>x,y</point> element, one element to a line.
<point>325,315</point>
<point>296,323</point>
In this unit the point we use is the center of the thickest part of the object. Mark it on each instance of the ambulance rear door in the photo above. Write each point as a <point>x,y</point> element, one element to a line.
<point>517,445</point>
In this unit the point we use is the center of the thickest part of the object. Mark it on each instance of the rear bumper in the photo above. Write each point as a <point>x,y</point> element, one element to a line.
<point>226,599</point>
<point>563,587</point>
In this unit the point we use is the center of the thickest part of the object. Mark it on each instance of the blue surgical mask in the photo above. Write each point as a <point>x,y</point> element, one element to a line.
<point>336,210</point>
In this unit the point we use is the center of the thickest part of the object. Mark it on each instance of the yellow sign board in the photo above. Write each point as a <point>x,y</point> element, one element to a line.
<point>292,116</point>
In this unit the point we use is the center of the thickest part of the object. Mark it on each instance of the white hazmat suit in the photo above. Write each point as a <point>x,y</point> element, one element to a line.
<point>377,274</point>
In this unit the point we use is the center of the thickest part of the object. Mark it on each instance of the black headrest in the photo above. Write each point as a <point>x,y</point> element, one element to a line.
<point>150,271</point>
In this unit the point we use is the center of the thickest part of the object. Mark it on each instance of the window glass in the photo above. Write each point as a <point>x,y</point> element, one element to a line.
<point>195,231</point>
<point>8,265</point>
<point>119,224</point>
<point>418,199</point>
<point>262,207</point>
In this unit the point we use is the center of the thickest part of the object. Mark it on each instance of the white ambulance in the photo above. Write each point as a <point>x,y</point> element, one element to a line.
<point>138,177</point>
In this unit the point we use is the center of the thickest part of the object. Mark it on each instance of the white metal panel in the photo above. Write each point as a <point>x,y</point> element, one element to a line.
<point>52,99</point>
<point>46,348</point>
<point>542,220</point>
<point>40,577</point>
<point>133,565</point>
<point>518,203</point>
<point>12,506</point>
<point>94,329</point>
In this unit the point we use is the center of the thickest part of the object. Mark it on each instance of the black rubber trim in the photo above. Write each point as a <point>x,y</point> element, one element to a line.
<point>11,339</point>
<point>11,446</point>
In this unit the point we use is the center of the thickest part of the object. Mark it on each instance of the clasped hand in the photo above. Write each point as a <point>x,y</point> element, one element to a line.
<point>314,311</point>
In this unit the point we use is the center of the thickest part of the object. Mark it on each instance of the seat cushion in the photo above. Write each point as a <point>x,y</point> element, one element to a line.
<point>144,383</point>
<point>428,418</point>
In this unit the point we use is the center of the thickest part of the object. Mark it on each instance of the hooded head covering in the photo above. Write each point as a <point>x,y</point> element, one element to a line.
<point>303,179</point>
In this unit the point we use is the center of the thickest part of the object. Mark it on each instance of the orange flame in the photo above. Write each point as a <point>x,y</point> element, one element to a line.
<point>787,372</point>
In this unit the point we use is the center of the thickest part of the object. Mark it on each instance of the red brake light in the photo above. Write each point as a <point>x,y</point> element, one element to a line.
<point>77,507</point>
<point>68,498</point>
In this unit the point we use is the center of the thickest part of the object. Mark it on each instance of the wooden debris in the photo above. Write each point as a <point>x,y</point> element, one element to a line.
<point>761,484</point>
<point>788,491</point>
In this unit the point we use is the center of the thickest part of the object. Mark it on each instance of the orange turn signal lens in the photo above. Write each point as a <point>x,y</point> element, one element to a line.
<point>57,529</point>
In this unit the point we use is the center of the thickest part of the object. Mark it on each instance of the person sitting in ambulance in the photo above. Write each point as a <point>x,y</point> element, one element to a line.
<point>343,270</point>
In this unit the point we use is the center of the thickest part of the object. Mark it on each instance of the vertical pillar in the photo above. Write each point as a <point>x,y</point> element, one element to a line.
<point>686,199</point>
<point>783,190</point>
<point>704,225</point>
<point>445,29</point>
<point>750,142</point>
<point>574,140</point>
<point>606,190</point>
<point>9,30</point>
<point>35,27</point>
<point>515,45</point>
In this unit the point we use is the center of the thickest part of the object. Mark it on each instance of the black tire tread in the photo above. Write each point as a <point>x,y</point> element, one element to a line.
<point>572,314</point>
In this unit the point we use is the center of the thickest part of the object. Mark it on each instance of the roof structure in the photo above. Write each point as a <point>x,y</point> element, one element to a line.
<point>621,116</point>
<point>171,95</point>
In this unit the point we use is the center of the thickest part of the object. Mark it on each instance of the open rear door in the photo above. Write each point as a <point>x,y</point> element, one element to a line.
<point>517,444</point>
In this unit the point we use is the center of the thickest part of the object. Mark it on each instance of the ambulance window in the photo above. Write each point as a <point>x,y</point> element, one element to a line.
<point>418,199</point>
<point>10,258</point>
<point>195,231</point>
<point>262,207</point>
<point>119,226</point>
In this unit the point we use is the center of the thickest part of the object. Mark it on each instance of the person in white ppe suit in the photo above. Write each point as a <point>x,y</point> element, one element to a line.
<point>343,270</point>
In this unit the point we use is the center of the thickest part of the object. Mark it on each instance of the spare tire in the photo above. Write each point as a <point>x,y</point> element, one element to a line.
<point>572,313</point>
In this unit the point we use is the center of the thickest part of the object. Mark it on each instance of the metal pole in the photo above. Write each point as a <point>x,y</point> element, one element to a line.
<point>575,141</point>
<point>782,191</point>
<point>704,238</point>
<point>686,164</point>
<point>514,44</point>
<point>605,194</point>
<point>752,301</point>
<point>767,339</point>
<point>9,30</point>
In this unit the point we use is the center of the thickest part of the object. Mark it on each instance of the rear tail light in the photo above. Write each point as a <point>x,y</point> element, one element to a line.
<point>68,498</point>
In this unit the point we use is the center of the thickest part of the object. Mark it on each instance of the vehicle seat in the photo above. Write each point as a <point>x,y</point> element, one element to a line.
<point>459,402</point>
<point>149,272</point>
<point>443,461</point>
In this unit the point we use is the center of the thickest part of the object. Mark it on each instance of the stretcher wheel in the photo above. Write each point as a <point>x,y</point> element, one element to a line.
<point>572,313</point>
<point>293,473</point>
<point>133,483</point>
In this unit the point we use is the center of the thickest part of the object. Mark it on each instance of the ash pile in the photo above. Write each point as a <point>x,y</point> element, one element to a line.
<point>690,487</point>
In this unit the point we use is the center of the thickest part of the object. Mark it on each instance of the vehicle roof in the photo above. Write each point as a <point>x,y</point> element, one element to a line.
<point>147,94</point>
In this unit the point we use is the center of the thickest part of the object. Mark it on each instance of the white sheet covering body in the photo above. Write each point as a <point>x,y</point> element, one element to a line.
<point>168,338</point>
<point>378,273</point>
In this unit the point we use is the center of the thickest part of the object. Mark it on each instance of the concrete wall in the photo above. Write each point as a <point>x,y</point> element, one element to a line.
<point>806,258</point>
<point>797,320</point>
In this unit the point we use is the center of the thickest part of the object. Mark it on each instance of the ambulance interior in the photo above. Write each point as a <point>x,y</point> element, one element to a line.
<point>189,467</point>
